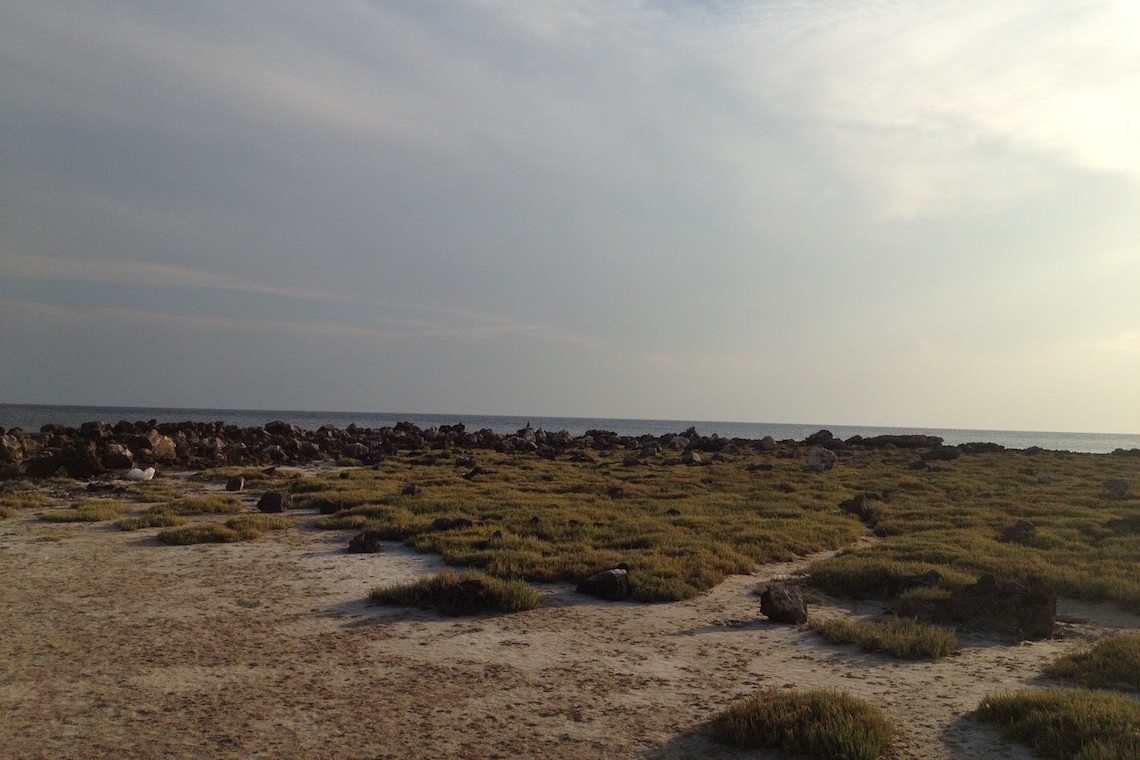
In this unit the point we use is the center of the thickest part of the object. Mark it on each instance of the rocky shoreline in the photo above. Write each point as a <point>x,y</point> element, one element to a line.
<point>96,448</point>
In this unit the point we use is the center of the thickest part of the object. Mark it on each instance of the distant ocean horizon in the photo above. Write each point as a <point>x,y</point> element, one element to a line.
<point>31,417</point>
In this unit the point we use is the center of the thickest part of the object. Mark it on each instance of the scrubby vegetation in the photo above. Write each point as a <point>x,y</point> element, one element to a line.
<point>1062,724</point>
<point>821,723</point>
<point>455,594</point>
<point>240,528</point>
<point>93,510</point>
<point>899,637</point>
<point>1113,663</point>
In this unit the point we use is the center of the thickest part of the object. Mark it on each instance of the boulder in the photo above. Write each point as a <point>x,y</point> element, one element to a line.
<point>116,456</point>
<point>860,506</point>
<point>236,483</point>
<point>1027,610</point>
<point>272,502</point>
<point>612,585</point>
<point>782,602</point>
<point>365,542</point>
<point>1021,532</point>
<point>767,443</point>
<point>820,459</point>
<point>11,450</point>
<point>136,473</point>
<point>690,457</point>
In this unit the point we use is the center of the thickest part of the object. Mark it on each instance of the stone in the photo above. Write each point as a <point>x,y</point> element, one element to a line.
<point>116,456</point>
<point>860,506</point>
<point>136,473</point>
<point>1021,532</point>
<point>236,483</point>
<point>162,447</point>
<point>767,443</point>
<point>782,602</point>
<point>690,457</point>
<point>411,489</point>
<point>820,459</point>
<point>272,502</point>
<point>365,542</point>
<point>11,450</point>
<point>1026,610</point>
<point>612,585</point>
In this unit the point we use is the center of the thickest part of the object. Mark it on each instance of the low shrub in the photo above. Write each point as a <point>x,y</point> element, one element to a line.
<point>92,511</point>
<point>1060,724</point>
<point>211,504</point>
<point>819,723</point>
<point>1113,663</point>
<point>904,638</point>
<point>240,528</point>
<point>455,594</point>
<point>150,519</point>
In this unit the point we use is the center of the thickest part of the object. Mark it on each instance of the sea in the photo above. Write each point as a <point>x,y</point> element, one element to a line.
<point>32,417</point>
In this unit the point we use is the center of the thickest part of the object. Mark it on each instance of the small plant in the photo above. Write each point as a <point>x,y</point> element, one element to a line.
<point>1060,724</point>
<point>904,638</point>
<point>150,519</point>
<point>820,723</point>
<point>211,504</point>
<point>1113,663</point>
<point>92,511</point>
<point>455,594</point>
<point>240,528</point>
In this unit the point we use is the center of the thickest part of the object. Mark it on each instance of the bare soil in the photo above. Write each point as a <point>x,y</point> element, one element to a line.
<point>113,645</point>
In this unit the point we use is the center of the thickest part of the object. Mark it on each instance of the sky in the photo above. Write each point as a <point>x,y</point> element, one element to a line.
<point>882,213</point>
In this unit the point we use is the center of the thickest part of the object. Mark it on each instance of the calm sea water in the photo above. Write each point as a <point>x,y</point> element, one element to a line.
<point>32,418</point>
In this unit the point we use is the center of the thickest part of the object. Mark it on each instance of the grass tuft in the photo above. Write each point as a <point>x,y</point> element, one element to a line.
<point>90,511</point>
<point>240,528</point>
<point>1060,724</point>
<point>1113,663</point>
<point>821,723</point>
<point>455,594</point>
<point>904,638</point>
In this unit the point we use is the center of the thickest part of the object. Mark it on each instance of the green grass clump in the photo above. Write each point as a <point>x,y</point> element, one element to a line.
<point>90,511</point>
<point>240,528</point>
<point>1060,724</point>
<point>1113,663</point>
<point>819,723</point>
<point>210,504</point>
<point>455,594</point>
<point>904,638</point>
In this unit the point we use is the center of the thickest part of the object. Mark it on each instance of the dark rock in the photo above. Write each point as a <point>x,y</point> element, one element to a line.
<point>328,506</point>
<point>236,483</point>
<point>630,460</point>
<point>272,502</point>
<point>365,542</point>
<point>450,523</point>
<point>941,454</point>
<point>690,457</point>
<point>1021,532</point>
<point>116,456</point>
<point>860,506</point>
<point>673,512</point>
<point>612,585</point>
<point>783,603</point>
<point>767,443</point>
<point>411,489</point>
<point>1026,610</point>
<point>472,473</point>
<point>615,492</point>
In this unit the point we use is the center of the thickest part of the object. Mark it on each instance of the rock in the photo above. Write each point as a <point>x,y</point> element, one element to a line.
<point>1021,532</point>
<point>612,585</point>
<point>451,523</point>
<point>236,483</point>
<point>116,456</point>
<point>365,542</point>
<point>411,489</point>
<point>767,443</point>
<point>272,502</point>
<point>472,473</point>
<point>783,603</point>
<point>860,506</point>
<point>820,459</point>
<point>690,457</point>
<point>328,506</point>
<point>941,454</point>
<point>630,460</point>
<point>11,450</point>
<point>679,443</point>
<point>1025,610</point>
<point>161,447</point>
<point>615,492</point>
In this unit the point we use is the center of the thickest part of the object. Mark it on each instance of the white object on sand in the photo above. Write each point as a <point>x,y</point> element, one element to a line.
<point>137,474</point>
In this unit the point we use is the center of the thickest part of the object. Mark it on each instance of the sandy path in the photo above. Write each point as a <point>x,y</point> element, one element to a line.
<point>112,645</point>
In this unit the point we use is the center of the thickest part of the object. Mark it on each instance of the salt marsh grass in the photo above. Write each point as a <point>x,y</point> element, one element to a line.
<point>1113,663</point>
<point>455,594</point>
<point>899,637</point>
<point>821,723</point>
<point>1063,724</point>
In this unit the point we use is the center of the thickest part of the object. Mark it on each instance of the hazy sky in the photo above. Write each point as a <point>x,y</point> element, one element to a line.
<point>882,213</point>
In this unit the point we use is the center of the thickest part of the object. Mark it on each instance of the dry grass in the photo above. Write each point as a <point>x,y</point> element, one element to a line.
<point>822,723</point>
<point>1113,663</point>
<point>455,594</point>
<point>899,637</point>
<point>240,528</point>
<point>1063,724</point>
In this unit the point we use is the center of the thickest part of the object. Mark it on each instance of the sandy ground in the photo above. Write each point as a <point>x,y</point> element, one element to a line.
<point>112,645</point>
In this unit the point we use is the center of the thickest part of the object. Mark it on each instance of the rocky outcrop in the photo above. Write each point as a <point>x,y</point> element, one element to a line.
<point>97,448</point>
